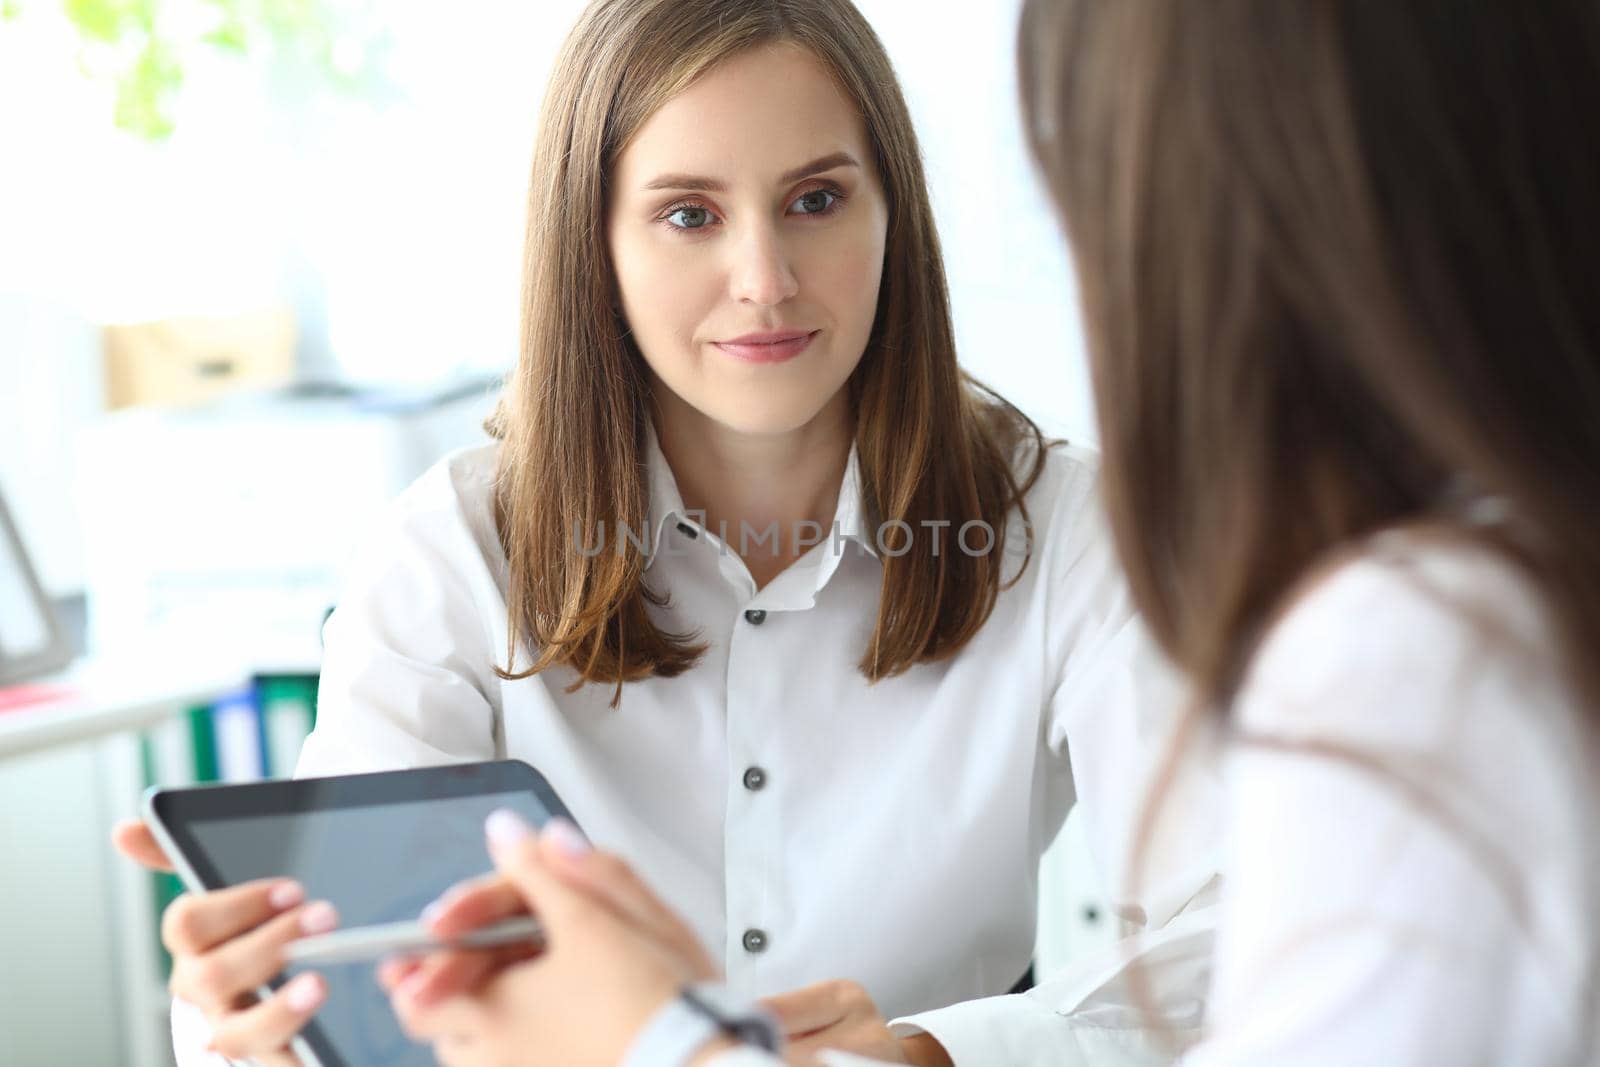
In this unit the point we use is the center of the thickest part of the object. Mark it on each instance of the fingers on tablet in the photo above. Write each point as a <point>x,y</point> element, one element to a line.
<point>216,979</point>
<point>270,1025</point>
<point>198,922</point>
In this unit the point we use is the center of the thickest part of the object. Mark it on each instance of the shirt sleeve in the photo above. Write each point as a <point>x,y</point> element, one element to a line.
<point>745,1056</point>
<point>1138,1003</point>
<point>407,677</point>
<point>1112,728</point>
<point>1121,725</point>
<point>190,1033</point>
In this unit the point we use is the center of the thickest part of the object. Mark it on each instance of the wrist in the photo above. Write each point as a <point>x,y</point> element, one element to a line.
<point>924,1050</point>
<point>698,1025</point>
<point>711,1050</point>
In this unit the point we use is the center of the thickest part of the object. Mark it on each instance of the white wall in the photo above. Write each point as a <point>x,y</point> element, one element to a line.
<point>1011,284</point>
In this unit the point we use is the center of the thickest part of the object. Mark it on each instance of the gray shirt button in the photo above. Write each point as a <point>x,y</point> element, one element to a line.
<point>755,779</point>
<point>755,616</point>
<point>755,940</point>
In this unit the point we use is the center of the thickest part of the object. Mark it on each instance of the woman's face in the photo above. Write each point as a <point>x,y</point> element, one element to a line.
<point>746,227</point>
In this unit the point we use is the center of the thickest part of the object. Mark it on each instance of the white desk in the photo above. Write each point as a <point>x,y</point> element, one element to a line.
<point>109,695</point>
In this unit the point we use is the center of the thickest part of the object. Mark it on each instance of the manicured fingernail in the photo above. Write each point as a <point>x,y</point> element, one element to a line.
<point>506,828</point>
<point>318,918</point>
<point>566,837</point>
<point>431,912</point>
<point>303,993</point>
<point>286,895</point>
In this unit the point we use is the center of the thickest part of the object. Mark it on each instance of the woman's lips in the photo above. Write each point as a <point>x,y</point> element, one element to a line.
<point>768,347</point>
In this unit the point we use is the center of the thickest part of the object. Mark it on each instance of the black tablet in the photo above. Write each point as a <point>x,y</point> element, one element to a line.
<point>379,847</point>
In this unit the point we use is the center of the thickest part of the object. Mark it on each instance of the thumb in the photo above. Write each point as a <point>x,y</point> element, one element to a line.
<point>514,847</point>
<point>134,840</point>
<point>807,1010</point>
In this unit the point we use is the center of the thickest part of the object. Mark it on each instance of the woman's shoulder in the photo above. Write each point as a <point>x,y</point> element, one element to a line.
<point>1059,479</point>
<point>1052,473</point>
<point>1064,510</point>
<point>1402,636</point>
<point>446,518</point>
<point>461,481</point>
<point>1068,471</point>
<point>1061,556</point>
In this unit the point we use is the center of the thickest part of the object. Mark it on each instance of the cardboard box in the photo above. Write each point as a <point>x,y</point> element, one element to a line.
<point>184,361</point>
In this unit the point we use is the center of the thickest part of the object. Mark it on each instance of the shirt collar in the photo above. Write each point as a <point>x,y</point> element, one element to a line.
<point>666,504</point>
<point>667,507</point>
<point>849,514</point>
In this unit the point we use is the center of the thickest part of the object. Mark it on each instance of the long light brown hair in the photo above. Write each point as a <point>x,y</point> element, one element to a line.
<point>1340,266</point>
<point>932,444</point>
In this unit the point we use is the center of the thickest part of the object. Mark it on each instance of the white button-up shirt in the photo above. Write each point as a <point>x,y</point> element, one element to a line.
<point>1413,870</point>
<point>808,824</point>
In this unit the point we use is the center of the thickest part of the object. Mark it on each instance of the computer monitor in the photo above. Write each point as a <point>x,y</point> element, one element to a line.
<point>31,639</point>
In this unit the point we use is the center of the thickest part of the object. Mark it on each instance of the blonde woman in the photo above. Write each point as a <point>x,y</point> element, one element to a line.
<point>813,629</point>
<point>1339,265</point>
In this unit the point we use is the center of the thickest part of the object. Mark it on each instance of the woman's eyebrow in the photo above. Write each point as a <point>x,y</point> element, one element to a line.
<point>821,163</point>
<point>701,184</point>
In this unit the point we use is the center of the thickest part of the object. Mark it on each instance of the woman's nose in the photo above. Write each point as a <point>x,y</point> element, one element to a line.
<point>761,273</point>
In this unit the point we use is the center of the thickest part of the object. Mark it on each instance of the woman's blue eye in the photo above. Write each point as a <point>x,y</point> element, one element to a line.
<point>815,202</point>
<point>689,218</point>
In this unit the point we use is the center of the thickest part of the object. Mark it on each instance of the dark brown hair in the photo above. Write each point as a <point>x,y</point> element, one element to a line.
<point>1340,266</point>
<point>932,444</point>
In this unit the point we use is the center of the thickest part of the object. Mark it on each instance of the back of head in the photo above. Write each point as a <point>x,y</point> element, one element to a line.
<point>1339,264</point>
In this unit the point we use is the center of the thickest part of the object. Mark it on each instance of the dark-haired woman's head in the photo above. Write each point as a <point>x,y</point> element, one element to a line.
<point>1340,263</point>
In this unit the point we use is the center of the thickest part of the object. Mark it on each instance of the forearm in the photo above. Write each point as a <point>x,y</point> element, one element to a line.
<point>707,1056</point>
<point>924,1050</point>
<point>919,1051</point>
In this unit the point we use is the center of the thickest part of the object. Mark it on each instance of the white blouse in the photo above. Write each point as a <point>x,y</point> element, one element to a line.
<point>1413,865</point>
<point>808,824</point>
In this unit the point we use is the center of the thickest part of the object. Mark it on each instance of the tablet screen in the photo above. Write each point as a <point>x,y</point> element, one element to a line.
<point>379,855</point>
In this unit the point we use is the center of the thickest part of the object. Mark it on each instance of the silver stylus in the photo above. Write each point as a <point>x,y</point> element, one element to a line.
<point>404,938</point>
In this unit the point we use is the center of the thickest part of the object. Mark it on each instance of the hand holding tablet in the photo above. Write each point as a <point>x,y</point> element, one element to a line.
<point>379,847</point>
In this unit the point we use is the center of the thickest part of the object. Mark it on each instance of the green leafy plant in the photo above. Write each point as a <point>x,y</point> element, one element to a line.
<point>141,47</point>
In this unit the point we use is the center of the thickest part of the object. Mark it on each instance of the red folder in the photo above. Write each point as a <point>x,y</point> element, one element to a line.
<point>27,696</point>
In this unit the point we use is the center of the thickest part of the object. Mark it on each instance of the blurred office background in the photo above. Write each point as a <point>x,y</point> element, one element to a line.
<point>258,268</point>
